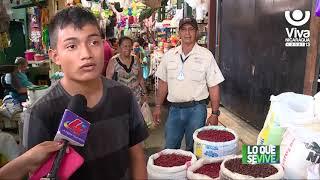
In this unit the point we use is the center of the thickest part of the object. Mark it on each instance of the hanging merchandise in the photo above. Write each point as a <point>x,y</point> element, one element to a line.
<point>174,40</point>
<point>125,11</point>
<point>96,9</point>
<point>44,16</point>
<point>4,25</point>
<point>201,10</point>
<point>127,31</point>
<point>45,38</point>
<point>134,8</point>
<point>35,34</point>
<point>35,28</point>
<point>129,11</point>
<point>116,12</point>
<point>4,17</point>
<point>104,5</point>
<point>4,40</point>
<point>86,3</point>
<point>146,13</point>
<point>131,20</point>
<point>192,3</point>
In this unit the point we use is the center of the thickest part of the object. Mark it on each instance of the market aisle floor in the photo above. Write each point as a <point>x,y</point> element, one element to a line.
<point>247,134</point>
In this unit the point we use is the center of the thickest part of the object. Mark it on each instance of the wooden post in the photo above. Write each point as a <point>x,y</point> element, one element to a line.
<point>312,65</point>
<point>212,26</point>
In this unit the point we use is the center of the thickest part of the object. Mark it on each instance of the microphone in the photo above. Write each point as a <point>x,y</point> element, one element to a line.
<point>73,127</point>
<point>73,130</point>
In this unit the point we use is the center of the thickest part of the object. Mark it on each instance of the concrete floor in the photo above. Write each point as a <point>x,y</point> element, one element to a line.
<point>247,134</point>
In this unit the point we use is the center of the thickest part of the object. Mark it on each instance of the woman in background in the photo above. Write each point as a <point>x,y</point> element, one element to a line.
<point>18,80</point>
<point>126,69</point>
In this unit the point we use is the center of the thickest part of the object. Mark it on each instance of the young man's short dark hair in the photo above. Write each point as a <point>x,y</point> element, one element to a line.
<point>76,16</point>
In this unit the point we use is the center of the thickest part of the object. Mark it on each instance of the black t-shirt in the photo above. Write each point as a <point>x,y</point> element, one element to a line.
<point>116,125</point>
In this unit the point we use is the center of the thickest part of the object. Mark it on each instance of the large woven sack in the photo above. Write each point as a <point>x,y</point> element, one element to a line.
<point>286,110</point>
<point>226,174</point>
<point>196,176</point>
<point>176,172</point>
<point>299,151</point>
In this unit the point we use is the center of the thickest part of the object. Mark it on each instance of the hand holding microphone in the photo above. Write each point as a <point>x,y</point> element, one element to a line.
<point>29,161</point>
<point>73,130</point>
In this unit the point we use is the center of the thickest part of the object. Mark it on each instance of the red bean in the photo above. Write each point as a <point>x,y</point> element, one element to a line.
<point>216,135</point>
<point>254,170</point>
<point>170,160</point>
<point>212,170</point>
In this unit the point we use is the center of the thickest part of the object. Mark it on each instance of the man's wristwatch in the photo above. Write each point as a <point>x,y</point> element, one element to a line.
<point>217,113</point>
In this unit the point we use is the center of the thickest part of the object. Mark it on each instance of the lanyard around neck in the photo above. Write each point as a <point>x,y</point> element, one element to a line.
<point>183,60</point>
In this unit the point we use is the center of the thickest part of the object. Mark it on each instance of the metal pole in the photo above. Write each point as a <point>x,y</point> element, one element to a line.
<point>185,9</point>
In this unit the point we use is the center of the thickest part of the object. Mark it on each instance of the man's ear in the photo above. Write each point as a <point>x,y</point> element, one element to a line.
<point>54,56</point>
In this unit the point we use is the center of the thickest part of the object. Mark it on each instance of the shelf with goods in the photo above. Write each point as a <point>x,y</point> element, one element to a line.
<point>203,34</point>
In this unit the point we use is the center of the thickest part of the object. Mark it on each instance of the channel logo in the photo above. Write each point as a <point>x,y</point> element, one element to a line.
<point>260,154</point>
<point>297,37</point>
<point>76,126</point>
<point>297,17</point>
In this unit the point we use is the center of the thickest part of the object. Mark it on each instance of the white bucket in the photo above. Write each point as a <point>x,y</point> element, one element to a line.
<point>203,148</point>
<point>36,93</point>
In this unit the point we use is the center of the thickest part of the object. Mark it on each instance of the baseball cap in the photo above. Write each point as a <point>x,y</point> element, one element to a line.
<point>188,20</point>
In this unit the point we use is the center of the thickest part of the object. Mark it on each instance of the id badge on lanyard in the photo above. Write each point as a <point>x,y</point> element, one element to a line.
<point>181,74</point>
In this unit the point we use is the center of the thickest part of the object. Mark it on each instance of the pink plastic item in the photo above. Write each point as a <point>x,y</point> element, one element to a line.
<point>29,55</point>
<point>69,164</point>
<point>38,57</point>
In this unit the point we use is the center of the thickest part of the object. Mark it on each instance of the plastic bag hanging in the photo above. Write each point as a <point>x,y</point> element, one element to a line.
<point>317,10</point>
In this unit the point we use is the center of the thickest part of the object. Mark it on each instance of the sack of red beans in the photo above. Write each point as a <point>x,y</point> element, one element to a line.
<point>205,168</point>
<point>214,141</point>
<point>170,164</point>
<point>232,168</point>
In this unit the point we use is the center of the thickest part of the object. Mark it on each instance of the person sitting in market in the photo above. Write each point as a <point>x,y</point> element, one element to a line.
<point>18,80</point>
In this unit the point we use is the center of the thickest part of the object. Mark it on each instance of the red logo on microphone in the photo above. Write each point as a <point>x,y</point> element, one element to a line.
<point>76,126</point>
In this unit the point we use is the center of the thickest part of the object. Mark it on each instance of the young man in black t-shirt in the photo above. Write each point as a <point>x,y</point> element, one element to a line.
<point>112,149</point>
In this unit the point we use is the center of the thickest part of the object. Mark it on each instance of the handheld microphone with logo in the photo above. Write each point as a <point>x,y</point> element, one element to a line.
<point>73,130</point>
